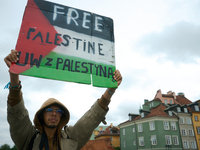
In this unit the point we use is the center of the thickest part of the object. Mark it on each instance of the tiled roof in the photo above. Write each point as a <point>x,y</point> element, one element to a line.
<point>100,144</point>
<point>124,122</point>
<point>190,109</point>
<point>182,100</point>
<point>158,111</point>
<point>157,99</point>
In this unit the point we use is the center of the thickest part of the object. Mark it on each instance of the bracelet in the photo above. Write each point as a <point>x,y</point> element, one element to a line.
<point>110,92</point>
<point>12,87</point>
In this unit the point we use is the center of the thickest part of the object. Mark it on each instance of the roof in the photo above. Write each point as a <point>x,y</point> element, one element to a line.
<point>156,111</point>
<point>156,99</point>
<point>167,95</point>
<point>99,144</point>
<point>183,100</point>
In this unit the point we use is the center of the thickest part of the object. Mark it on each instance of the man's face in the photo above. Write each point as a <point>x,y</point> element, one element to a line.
<point>52,116</point>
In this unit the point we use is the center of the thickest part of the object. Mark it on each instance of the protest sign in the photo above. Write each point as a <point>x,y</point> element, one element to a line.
<point>64,43</point>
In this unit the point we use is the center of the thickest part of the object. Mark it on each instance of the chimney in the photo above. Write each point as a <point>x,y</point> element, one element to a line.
<point>181,94</point>
<point>145,101</point>
<point>111,125</point>
<point>169,92</point>
<point>174,95</point>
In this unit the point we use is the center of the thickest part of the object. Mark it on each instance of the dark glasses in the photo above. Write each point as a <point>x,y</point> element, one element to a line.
<point>51,110</point>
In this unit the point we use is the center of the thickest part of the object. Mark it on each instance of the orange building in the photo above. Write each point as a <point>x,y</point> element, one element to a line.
<point>112,133</point>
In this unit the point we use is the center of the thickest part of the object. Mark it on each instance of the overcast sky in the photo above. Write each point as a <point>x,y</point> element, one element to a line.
<point>156,45</point>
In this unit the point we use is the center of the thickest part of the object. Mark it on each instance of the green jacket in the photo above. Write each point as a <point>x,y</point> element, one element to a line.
<point>71,137</point>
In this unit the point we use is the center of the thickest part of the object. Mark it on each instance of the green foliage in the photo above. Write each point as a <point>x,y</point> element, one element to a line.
<point>7,147</point>
<point>117,148</point>
<point>14,148</point>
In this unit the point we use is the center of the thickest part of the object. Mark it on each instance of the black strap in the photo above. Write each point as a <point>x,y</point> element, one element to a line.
<point>44,140</point>
<point>46,143</point>
<point>30,147</point>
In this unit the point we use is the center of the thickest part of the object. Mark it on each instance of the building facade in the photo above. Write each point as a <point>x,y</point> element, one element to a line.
<point>166,122</point>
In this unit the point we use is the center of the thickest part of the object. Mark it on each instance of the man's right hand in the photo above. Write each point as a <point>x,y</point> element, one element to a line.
<point>11,58</point>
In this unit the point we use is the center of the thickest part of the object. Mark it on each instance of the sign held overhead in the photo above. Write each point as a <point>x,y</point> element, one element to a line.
<point>64,43</point>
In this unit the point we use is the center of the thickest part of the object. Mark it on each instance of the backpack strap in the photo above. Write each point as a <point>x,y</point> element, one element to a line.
<point>30,147</point>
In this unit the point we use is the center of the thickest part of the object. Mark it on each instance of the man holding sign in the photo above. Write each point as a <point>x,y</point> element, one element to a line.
<point>47,133</point>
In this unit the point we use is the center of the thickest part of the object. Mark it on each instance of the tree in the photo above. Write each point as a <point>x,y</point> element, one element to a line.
<point>14,148</point>
<point>5,147</point>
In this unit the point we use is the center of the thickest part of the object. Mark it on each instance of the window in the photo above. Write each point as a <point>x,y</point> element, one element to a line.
<point>196,107</point>
<point>166,125</point>
<point>185,110</point>
<point>188,120</point>
<point>168,139</point>
<point>152,126</point>
<point>165,101</point>
<point>124,143</point>
<point>198,130</point>
<point>196,118</point>
<point>133,129</point>
<point>173,125</point>
<point>190,131</point>
<point>175,139</point>
<point>153,140</point>
<point>142,115</point>
<point>181,120</point>
<point>170,113</point>
<point>151,104</point>
<point>178,109</point>
<point>183,132</point>
<point>111,138</point>
<point>140,129</point>
<point>130,118</point>
<point>193,144</point>
<point>134,143</point>
<point>186,144</point>
<point>141,141</point>
<point>170,101</point>
<point>123,131</point>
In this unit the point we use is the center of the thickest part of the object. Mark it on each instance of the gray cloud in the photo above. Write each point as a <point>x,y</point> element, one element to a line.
<point>121,114</point>
<point>179,42</point>
<point>4,127</point>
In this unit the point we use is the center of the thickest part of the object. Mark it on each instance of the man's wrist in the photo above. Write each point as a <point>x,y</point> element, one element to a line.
<point>14,79</point>
<point>111,91</point>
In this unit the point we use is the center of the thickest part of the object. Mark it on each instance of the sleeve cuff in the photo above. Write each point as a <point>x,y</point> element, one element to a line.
<point>14,96</point>
<point>103,102</point>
